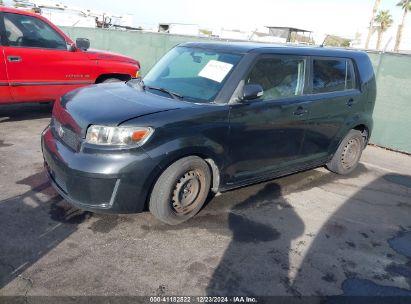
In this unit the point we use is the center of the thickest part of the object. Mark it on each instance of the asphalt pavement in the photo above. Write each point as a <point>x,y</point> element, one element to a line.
<point>311,233</point>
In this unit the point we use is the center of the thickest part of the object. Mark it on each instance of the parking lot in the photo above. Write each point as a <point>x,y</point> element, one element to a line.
<point>312,233</point>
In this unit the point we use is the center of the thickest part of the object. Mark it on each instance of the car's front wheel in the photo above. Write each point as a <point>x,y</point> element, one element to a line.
<point>111,80</point>
<point>181,190</point>
<point>348,154</point>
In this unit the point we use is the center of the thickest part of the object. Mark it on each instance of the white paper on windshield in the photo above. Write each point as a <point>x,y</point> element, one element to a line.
<point>215,70</point>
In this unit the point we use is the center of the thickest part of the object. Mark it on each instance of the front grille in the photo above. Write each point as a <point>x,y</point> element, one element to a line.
<point>67,136</point>
<point>58,178</point>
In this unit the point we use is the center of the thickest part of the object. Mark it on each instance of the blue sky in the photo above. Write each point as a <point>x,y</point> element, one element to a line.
<point>327,16</point>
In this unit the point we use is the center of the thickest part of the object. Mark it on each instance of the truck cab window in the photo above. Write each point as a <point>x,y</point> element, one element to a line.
<point>31,32</point>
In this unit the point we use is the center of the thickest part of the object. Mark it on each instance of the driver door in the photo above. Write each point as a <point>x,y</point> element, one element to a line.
<point>39,66</point>
<point>266,135</point>
<point>5,96</point>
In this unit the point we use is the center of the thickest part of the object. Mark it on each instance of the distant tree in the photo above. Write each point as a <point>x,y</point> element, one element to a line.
<point>406,6</point>
<point>384,19</point>
<point>336,41</point>
<point>371,27</point>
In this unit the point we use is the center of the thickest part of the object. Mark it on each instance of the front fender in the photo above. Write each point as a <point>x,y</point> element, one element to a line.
<point>168,152</point>
<point>200,130</point>
<point>103,67</point>
<point>211,151</point>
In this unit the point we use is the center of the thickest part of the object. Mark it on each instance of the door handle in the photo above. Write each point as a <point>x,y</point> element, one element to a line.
<point>300,111</point>
<point>14,58</point>
<point>350,102</point>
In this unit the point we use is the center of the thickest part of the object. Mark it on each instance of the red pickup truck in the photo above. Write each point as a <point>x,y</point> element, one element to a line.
<point>39,63</point>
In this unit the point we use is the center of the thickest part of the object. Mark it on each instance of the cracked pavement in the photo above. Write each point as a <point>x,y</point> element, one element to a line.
<point>311,233</point>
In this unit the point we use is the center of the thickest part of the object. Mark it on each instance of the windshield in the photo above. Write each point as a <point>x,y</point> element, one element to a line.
<point>196,75</point>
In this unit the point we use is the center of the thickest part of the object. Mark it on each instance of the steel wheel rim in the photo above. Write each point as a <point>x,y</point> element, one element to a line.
<point>186,192</point>
<point>351,153</point>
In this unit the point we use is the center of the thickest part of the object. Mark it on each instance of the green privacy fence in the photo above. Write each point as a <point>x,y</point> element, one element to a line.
<point>147,48</point>
<point>392,114</point>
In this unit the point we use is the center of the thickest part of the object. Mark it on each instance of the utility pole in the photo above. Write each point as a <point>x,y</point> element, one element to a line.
<point>370,28</point>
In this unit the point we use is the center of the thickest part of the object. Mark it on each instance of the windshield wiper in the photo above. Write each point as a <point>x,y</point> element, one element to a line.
<point>172,94</point>
<point>136,83</point>
<point>140,84</point>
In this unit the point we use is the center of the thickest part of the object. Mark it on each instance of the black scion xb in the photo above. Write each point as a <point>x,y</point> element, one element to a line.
<point>209,117</point>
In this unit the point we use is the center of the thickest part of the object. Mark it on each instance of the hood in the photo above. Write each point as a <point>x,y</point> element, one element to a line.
<point>109,104</point>
<point>105,55</point>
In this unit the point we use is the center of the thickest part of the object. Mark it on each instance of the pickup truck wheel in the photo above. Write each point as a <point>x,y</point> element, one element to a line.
<point>111,80</point>
<point>348,154</point>
<point>181,190</point>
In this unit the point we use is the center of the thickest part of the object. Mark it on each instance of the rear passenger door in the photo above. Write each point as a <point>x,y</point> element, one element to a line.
<point>334,99</point>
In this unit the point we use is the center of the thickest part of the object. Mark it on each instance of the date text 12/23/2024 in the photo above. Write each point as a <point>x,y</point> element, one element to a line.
<point>184,299</point>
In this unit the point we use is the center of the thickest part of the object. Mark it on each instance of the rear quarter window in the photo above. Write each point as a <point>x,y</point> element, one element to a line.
<point>332,75</point>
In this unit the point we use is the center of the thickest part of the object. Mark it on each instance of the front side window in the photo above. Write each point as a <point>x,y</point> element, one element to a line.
<point>280,77</point>
<point>196,74</point>
<point>28,31</point>
<point>332,75</point>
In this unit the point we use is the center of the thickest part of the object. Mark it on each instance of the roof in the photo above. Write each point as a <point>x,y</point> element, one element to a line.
<point>255,47</point>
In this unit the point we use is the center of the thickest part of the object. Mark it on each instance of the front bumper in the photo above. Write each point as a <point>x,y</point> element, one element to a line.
<point>103,181</point>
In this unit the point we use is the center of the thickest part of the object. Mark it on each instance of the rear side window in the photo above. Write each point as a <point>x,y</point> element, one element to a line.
<point>28,31</point>
<point>280,77</point>
<point>332,75</point>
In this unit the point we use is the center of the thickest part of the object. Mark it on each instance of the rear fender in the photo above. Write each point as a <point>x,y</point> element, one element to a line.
<point>352,122</point>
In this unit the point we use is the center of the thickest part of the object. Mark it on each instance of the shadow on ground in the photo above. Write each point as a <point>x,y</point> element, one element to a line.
<point>363,248</point>
<point>370,258</point>
<point>33,224</point>
<point>355,253</point>
<point>20,112</point>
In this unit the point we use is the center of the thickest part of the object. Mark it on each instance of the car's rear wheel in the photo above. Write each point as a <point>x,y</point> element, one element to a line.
<point>181,190</point>
<point>348,154</point>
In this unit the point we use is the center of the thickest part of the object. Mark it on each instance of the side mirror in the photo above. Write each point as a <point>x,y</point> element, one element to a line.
<point>83,44</point>
<point>71,47</point>
<point>252,91</point>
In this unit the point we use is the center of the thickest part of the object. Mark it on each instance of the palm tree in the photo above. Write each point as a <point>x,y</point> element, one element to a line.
<point>384,19</point>
<point>406,6</point>
<point>371,27</point>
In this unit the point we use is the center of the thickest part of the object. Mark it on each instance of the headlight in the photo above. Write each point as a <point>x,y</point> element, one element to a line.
<point>117,136</point>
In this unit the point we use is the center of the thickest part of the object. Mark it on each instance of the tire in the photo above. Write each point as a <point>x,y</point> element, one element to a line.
<point>348,154</point>
<point>181,190</point>
<point>111,80</point>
